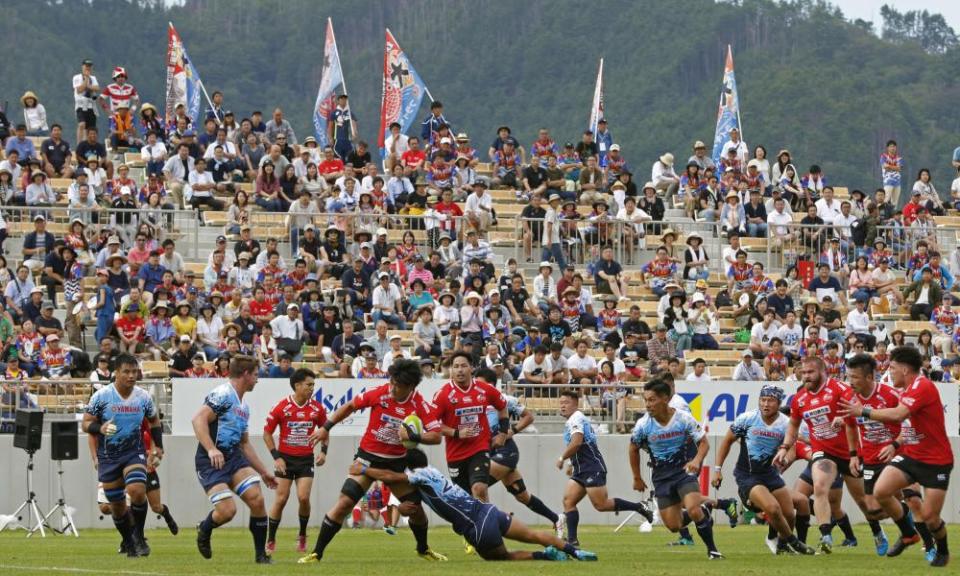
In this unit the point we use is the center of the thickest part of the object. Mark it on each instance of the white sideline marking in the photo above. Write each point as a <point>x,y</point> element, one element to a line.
<point>80,570</point>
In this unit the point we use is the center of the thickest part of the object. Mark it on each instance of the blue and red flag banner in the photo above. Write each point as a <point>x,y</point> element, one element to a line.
<point>596,109</point>
<point>183,81</point>
<point>403,90</point>
<point>331,78</point>
<point>728,115</point>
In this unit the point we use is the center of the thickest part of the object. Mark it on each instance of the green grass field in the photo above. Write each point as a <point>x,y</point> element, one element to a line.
<point>370,553</point>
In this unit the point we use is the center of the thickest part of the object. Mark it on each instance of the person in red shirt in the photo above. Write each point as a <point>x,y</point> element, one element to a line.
<point>871,438</point>
<point>461,406</point>
<point>330,167</point>
<point>131,328</point>
<point>413,158</point>
<point>382,447</point>
<point>818,404</point>
<point>297,415</point>
<point>260,308</point>
<point>926,457</point>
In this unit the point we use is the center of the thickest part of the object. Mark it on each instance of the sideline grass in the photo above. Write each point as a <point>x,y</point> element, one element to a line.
<point>370,553</point>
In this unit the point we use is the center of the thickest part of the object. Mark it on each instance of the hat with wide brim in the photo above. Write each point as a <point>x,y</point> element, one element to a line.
<point>694,236</point>
<point>472,296</point>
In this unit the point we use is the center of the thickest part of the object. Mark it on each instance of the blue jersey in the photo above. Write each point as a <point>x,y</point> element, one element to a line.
<point>759,441</point>
<point>127,415</point>
<point>587,458</point>
<point>233,417</point>
<point>514,410</point>
<point>449,501</point>
<point>341,124</point>
<point>667,444</point>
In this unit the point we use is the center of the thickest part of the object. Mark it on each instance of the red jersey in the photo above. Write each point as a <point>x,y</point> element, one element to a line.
<point>466,411</point>
<point>296,424</point>
<point>874,436</point>
<point>819,409</point>
<point>128,327</point>
<point>382,436</point>
<point>258,308</point>
<point>330,166</point>
<point>928,443</point>
<point>412,158</point>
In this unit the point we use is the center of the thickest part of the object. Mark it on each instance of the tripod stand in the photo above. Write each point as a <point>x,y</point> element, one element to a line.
<point>33,510</point>
<point>61,505</point>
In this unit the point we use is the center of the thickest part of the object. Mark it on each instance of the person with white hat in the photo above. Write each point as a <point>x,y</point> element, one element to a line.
<point>613,164</point>
<point>700,157</point>
<point>544,287</point>
<point>387,302</point>
<point>748,370</point>
<point>664,177</point>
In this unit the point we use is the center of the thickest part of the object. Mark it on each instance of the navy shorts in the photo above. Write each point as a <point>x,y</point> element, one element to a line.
<point>807,476</point>
<point>210,477</point>
<point>111,469</point>
<point>671,489</point>
<point>507,455</point>
<point>770,479</point>
<point>591,475</point>
<point>491,525</point>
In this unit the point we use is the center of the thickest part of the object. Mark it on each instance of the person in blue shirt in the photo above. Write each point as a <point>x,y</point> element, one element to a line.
<point>664,433</point>
<point>226,462</point>
<point>431,125</point>
<point>588,471</point>
<point>341,127</point>
<point>604,140</point>
<point>505,459</point>
<point>760,433</point>
<point>483,525</point>
<point>114,417</point>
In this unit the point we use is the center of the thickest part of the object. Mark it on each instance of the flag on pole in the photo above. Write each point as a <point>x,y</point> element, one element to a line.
<point>183,81</point>
<point>331,77</point>
<point>728,115</point>
<point>403,90</point>
<point>596,110</point>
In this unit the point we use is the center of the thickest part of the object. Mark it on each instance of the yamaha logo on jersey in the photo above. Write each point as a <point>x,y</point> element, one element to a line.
<point>401,410</point>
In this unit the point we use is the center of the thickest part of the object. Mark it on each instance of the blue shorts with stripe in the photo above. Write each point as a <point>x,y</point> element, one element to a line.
<point>489,529</point>
<point>507,455</point>
<point>110,468</point>
<point>747,480</point>
<point>210,476</point>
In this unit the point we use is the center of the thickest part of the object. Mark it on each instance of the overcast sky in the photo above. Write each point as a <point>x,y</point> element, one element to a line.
<point>869,10</point>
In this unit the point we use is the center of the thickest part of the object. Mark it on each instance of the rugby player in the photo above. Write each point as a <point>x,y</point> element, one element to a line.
<point>227,463</point>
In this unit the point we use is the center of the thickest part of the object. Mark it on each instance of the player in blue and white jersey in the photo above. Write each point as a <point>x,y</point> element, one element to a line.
<point>482,524</point>
<point>588,472</point>
<point>115,415</point>
<point>761,488</point>
<point>504,459</point>
<point>664,432</point>
<point>226,462</point>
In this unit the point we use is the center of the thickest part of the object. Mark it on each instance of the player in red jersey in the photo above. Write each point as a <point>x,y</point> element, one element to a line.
<point>461,407</point>
<point>382,447</point>
<point>871,438</point>
<point>818,404</point>
<point>297,415</point>
<point>926,458</point>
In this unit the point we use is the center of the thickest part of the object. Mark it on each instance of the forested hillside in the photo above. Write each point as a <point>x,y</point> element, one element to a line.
<point>830,91</point>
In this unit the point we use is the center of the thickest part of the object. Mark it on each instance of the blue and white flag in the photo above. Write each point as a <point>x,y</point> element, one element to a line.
<point>596,108</point>
<point>403,90</point>
<point>183,81</point>
<point>331,78</point>
<point>728,116</point>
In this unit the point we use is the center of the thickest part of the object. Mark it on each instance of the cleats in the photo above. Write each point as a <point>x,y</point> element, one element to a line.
<point>432,556</point>
<point>881,543</point>
<point>646,512</point>
<point>714,555</point>
<point>732,513</point>
<point>555,555</point>
<point>392,531</point>
<point>586,556</point>
<point>902,544</point>
<point>850,543</point>
<point>264,559</point>
<point>302,544</point>
<point>310,558</point>
<point>826,544</point>
<point>468,548</point>
<point>203,544</point>
<point>940,560</point>
<point>772,545</point>
<point>802,548</point>
<point>172,525</point>
<point>930,553</point>
<point>681,542</point>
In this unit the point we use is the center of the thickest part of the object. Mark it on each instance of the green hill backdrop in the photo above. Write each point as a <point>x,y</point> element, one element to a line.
<point>829,90</point>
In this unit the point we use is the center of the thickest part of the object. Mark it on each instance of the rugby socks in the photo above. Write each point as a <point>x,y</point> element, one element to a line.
<point>573,520</point>
<point>328,529</point>
<point>139,517</point>
<point>420,535</point>
<point>803,525</point>
<point>685,532</point>
<point>685,518</point>
<point>209,524</point>
<point>771,532</point>
<point>924,532</point>
<point>621,504</point>
<point>571,550</point>
<point>826,529</point>
<point>258,527</point>
<point>942,549</point>
<point>537,506</point>
<point>124,526</point>
<point>875,528</point>
<point>705,530</point>
<point>272,526</point>
<point>846,528</point>
<point>905,524</point>
<point>303,525</point>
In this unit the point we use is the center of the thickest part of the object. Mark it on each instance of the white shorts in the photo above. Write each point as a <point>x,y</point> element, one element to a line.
<point>102,496</point>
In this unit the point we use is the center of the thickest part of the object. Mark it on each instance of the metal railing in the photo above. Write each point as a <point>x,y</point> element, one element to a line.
<point>613,407</point>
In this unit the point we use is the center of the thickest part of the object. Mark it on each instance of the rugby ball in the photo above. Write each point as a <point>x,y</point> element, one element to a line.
<point>413,421</point>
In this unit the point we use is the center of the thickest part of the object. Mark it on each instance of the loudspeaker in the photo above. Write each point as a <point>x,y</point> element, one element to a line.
<point>29,430</point>
<point>63,440</point>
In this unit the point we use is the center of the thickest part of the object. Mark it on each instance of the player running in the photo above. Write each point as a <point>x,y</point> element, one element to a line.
<point>481,523</point>
<point>504,459</point>
<point>589,477</point>
<point>227,463</point>
<point>759,483</point>
<point>461,407</point>
<point>382,448</point>
<point>664,432</point>
<point>818,404</point>
<point>114,415</point>
<point>926,457</point>
<point>297,415</point>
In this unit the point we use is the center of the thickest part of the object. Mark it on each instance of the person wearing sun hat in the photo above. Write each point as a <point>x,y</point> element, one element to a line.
<point>471,318</point>
<point>696,262</point>
<point>544,287</point>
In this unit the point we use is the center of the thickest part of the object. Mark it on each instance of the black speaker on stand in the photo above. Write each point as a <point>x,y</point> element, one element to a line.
<point>27,436</point>
<point>63,446</point>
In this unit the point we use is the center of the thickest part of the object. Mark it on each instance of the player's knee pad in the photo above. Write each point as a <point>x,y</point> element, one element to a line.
<point>909,493</point>
<point>352,490</point>
<point>517,488</point>
<point>247,483</point>
<point>115,494</point>
<point>220,496</point>
<point>135,476</point>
